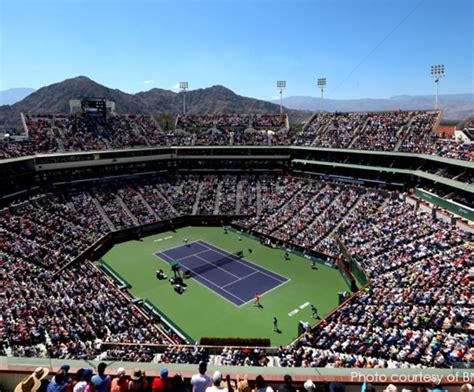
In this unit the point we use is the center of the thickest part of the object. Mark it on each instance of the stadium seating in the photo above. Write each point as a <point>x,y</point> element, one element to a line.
<point>414,312</point>
<point>382,131</point>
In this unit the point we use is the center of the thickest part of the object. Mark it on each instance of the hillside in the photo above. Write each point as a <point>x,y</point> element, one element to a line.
<point>213,100</point>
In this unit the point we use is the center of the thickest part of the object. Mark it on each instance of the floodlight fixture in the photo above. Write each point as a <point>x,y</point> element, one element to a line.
<point>437,72</point>
<point>322,86</point>
<point>281,85</point>
<point>184,86</point>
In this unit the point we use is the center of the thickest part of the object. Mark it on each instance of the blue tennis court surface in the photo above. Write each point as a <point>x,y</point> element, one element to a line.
<point>233,278</point>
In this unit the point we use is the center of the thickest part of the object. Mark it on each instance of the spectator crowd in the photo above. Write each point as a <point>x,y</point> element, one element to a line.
<point>405,131</point>
<point>103,379</point>
<point>416,310</point>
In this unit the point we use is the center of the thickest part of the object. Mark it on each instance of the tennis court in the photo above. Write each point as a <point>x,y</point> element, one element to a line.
<point>202,311</point>
<point>228,275</point>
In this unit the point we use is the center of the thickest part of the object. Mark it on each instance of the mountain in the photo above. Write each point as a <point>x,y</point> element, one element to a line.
<point>216,99</point>
<point>443,97</point>
<point>13,95</point>
<point>455,106</point>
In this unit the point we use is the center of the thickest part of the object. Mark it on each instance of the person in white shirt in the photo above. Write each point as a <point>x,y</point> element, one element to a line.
<point>216,383</point>
<point>201,381</point>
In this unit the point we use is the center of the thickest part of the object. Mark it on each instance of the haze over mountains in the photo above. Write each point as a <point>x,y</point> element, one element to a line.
<point>216,99</point>
<point>455,106</point>
<point>13,95</point>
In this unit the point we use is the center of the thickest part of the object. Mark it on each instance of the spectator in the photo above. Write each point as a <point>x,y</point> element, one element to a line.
<point>120,382</point>
<point>336,386</point>
<point>138,382</point>
<point>216,383</point>
<point>309,386</point>
<point>85,381</point>
<point>101,381</point>
<point>177,384</point>
<point>201,380</point>
<point>287,385</point>
<point>368,387</point>
<point>28,384</point>
<point>36,381</point>
<point>58,383</point>
<point>260,385</point>
<point>436,387</point>
<point>162,383</point>
<point>67,377</point>
<point>75,380</point>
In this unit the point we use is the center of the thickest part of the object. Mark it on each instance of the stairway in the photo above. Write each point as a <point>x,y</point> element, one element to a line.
<point>167,202</point>
<point>316,217</point>
<point>140,131</point>
<point>23,122</point>
<point>320,130</point>
<point>308,202</point>
<point>334,230</point>
<point>310,120</point>
<point>283,207</point>
<point>148,207</point>
<point>198,198</point>
<point>58,135</point>
<point>384,204</point>
<point>103,214</point>
<point>357,132</point>
<point>238,197</point>
<point>124,206</point>
<point>218,198</point>
<point>405,128</point>
<point>259,198</point>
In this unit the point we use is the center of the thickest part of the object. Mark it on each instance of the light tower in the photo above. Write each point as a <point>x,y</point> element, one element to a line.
<point>183,86</point>
<point>437,72</point>
<point>322,86</point>
<point>281,85</point>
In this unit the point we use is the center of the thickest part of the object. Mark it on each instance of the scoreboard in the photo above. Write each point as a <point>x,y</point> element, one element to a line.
<point>95,107</point>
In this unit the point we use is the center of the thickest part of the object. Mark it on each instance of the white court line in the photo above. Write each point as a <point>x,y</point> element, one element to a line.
<point>245,277</point>
<point>255,269</point>
<point>293,312</point>
<point>268,291</point>
<point>167,238</point>
<point>162,256</point>
<point>206,261</point>
<point>212,284</point>
<point>194,254</point>
<point>248,262</point>
<point>236,259</point>
<point>304,305</point>
<point>158,240</point>
<point>215,266</point>
<point>175,247</point>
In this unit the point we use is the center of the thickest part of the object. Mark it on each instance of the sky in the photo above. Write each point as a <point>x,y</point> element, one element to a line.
<point>364,48</point>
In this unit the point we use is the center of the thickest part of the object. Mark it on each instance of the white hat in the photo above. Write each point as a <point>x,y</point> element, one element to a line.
<point>120,371</point>
<point>217,376</point>
<point>309,386</point>
<point>391,388</point>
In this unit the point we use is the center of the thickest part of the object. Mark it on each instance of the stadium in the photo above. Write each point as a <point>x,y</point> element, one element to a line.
<point>365,216</point>
<point>295,215</point>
